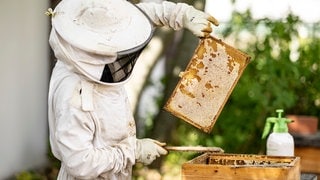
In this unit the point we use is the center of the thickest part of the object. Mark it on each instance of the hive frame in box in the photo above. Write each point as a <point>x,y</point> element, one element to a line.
<point>207,83</point>
<point>241,167</point>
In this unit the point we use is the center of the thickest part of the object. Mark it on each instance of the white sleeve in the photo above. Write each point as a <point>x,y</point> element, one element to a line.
<point>165,13</point>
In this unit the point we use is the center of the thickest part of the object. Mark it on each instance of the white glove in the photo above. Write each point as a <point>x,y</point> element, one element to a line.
<point>147,150</point>
<point>198,22</point>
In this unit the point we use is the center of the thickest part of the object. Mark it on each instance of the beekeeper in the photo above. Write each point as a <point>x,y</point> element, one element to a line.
<point>96,43</point>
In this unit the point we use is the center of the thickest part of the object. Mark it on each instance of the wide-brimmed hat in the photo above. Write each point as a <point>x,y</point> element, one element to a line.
<point>102,27</point>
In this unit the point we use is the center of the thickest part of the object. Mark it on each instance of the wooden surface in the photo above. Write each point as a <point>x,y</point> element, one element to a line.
<point>307,147</point>
<point>194,149</point>
<point>310,159</point>
<point>241,167</point>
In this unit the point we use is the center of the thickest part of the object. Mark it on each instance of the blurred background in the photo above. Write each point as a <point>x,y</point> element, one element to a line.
<point>282,38</point>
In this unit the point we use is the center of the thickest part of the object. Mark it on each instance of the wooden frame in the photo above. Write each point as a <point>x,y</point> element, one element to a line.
<point>241,167</point>
<point>207,83</point>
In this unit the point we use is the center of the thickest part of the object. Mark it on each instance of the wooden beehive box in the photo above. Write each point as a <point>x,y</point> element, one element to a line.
<point>241,167</point>
<point>207,83</point>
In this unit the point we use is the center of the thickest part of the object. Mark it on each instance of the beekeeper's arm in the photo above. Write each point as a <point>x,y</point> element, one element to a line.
<point>179,16</point>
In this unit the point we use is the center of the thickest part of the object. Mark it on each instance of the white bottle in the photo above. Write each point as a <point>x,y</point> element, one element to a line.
<point>279,142</point>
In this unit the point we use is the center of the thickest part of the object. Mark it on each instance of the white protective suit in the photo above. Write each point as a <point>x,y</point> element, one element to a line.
<point>92,130</point>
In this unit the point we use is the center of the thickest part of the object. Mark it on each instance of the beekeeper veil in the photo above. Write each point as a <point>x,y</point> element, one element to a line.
<point>100,39</point>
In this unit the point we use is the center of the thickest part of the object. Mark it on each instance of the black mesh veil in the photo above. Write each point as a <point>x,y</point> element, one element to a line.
<point>122,68</point>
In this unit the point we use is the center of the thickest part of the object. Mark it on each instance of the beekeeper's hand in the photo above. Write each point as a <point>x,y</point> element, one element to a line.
<point>147,150</point>
<point>198,22</point>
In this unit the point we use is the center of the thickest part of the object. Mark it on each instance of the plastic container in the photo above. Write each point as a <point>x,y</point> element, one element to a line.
<point>279,142</point>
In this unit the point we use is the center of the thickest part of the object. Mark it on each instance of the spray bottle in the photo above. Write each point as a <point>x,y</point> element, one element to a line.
<point>279,142</point>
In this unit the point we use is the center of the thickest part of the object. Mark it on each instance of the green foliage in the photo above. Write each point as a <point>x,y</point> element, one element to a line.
<point>25,175</point>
